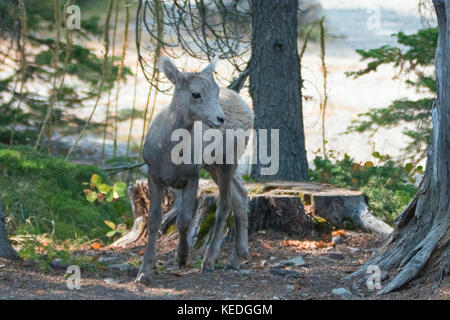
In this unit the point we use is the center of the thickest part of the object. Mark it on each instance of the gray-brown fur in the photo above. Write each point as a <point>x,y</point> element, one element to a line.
<point>217,108</point>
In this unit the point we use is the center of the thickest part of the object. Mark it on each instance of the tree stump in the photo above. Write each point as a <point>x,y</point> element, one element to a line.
<point>140,204</point>
<point>295,208</point>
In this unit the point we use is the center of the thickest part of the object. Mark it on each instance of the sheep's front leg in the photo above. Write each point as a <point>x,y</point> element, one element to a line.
<point>189,194</point>
<point>224,176</point>
<point>154,221</point>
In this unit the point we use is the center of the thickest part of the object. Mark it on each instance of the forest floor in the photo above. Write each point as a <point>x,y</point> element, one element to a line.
<point>259,277</point>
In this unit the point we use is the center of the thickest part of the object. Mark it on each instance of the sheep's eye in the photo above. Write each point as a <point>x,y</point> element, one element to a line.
<point>196,95</point>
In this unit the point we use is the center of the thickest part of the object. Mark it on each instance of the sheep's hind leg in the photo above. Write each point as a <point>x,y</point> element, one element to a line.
<point>188,194</point>
<point>154,221</point>
<point>239,201</point>
<point>224,177</point>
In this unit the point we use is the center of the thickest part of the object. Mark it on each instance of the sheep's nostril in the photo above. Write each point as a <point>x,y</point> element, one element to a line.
<point>221,120</point>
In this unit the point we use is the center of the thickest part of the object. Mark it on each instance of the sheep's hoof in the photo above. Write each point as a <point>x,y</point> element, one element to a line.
<point>234,262</point>
<point>207,267</point>
<point>182,261</point>
<point>143,277</point>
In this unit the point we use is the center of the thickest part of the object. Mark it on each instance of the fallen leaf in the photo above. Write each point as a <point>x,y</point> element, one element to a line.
<point>338,233</point>
<point>96,246</point>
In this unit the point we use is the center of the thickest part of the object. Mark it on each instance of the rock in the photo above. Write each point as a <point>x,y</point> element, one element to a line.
<point>284,272</point>
<point>343,293</point>
<point>272,258</point>
<point>263,263</point>
<point>121,266</point>
<point>297,261</point>
<point>110,280</point>
<point>335,255</point>
<point>108,259</point>
<point>283,263</point>
<point>59,264</point>
<point>244,272</point>
<point>353,250</point>
<point>275,298</point>
<point>290,287</point>
<point>337,239</point>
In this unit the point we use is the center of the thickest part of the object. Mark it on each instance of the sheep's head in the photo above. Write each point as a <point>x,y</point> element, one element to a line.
<point>197,93</point>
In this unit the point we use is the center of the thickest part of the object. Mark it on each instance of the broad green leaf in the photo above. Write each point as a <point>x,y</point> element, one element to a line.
<point>120,188</point>
<point>376,154</point>
<point>368,164</point>
<point>111,233</point>
<point>110,196</point>
<point>104,188</point>
<point>91,196</point>
<point>96,180</point>
<point>121,227</point>
<point>110,224</point>
<point>408,167</point>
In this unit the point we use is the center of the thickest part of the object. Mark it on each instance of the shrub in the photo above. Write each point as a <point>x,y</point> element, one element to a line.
<point>387,185</point>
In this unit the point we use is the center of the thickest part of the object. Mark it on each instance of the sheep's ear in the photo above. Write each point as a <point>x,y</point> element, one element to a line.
<point>212,66</point>
<point>170,70</point>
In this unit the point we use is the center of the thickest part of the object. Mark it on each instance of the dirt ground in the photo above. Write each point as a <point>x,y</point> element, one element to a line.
<point>256,279</point>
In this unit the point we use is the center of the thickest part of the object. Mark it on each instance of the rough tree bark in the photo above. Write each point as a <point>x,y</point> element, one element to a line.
<point>6,250</point>
<point>275,84</point>
<point>420,245</point>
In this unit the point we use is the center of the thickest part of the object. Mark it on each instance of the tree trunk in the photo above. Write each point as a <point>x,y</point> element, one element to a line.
<point>421,241</point>
<point>6,250</point>
<point>275,86</point>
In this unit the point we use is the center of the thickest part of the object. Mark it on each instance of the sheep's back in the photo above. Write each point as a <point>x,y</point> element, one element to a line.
<point>238,113</point>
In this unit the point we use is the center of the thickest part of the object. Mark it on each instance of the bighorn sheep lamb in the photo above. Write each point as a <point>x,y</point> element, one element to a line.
<point>197,97</point>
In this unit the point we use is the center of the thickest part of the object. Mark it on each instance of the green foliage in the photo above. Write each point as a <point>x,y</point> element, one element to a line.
<point>247,178</point>
<point>44,195</point>
<point>204,174</point>
<point>322,225</point>
<point>388,186</point>
<point>115,229</point>
<point>412,61</point>
<point>421,48</point>
<point>218,264</point>
<point>102,191</point>
<point>45,254</point>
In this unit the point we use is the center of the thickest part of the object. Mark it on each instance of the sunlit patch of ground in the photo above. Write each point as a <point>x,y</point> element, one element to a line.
<point>316,280</point>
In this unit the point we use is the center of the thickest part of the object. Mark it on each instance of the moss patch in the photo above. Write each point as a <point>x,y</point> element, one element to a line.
<point>322,225</point>
<point>44,195</point>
